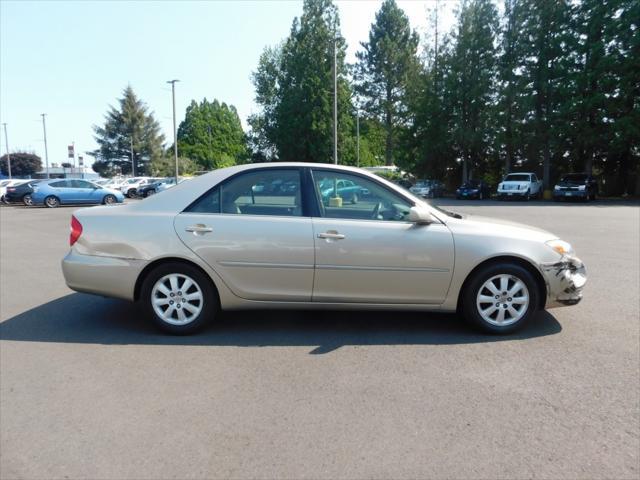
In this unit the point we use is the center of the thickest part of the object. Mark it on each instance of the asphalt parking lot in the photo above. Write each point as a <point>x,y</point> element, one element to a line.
<point>90,390</point>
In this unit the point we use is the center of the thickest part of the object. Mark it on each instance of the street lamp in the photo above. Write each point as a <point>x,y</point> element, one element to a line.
<point>175,134</point>
<point>46,152</point>
<point>335,98</point>
<point>6,144</point>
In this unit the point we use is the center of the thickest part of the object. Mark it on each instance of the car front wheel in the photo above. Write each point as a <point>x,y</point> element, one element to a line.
<point>52,202</point>
<point>500,298</point>
<point>179,298</point>
<point>109,199</point>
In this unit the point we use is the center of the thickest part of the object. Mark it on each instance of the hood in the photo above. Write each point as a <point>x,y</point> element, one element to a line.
<point>503,228</point>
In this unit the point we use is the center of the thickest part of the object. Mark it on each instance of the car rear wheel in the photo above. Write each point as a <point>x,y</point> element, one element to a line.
<point>179,298</point>
<point>27,200</point>
<point>501,298</point>
<point>51,201</point>
<point>149,193</point>
<point>109,199</point>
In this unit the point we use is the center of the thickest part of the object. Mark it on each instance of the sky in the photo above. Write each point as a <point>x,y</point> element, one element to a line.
<point>72,59</point>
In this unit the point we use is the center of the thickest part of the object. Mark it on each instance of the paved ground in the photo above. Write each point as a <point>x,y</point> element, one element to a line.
<point>89,390</point>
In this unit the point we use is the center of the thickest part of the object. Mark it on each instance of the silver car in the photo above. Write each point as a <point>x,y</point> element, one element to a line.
<point>218,242</point>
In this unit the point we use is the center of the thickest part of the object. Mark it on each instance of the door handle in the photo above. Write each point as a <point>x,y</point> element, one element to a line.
<point>199,228</point>
<point>332,235</point>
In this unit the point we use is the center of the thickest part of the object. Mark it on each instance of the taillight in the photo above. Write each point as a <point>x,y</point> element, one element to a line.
<point>11,189</point>
<point>76,231</point>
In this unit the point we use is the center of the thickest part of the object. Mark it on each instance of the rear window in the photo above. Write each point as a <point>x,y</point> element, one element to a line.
<point>517,177</point>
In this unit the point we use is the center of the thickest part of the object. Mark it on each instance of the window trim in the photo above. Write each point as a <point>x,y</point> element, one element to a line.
<point>317,201</point>
<point>303,196</point>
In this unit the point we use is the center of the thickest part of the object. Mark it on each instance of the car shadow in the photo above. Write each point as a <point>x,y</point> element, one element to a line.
<point>81,318</point>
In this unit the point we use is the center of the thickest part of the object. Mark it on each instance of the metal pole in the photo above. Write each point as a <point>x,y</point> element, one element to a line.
<point>335,100</point>
<point>358,138</point>
<point>6,144</point>
<point>133,164</point>
<point>46,151</point>
<point>175,132</point>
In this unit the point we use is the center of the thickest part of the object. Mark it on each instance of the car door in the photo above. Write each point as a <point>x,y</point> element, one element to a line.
<point>370,252</point>
<point>260,243</point>
<point>82,191</point>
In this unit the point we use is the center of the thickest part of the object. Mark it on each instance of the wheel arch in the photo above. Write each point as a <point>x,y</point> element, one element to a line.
<point>161,261</point>
<point>526,264</point>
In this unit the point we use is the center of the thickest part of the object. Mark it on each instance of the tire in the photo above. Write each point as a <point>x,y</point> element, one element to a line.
<point>109,199</point>
<point>527,196</point>
<point>481,195</point>
<point>131,193</point>
<point>205,303</point>
<point>52,201</point>
<point>518,312</point>
<point>354,198</point>
<point>149,193</point>
<point>27,200</point>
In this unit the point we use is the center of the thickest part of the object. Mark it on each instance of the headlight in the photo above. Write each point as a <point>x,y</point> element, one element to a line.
<point>560,247</point>
<point>557,187</point>
<point>582,187</point>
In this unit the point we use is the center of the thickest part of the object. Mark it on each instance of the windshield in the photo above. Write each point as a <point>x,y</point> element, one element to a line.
<point>517,177</point>
<point>423,183</point>
<point>471,184</point>
<point>576,177</point>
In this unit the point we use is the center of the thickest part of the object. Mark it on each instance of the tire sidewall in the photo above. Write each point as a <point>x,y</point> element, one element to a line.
<point>56,204</point>
<point>105,201</point>
<point>211,302</point>
<point>470,309</point>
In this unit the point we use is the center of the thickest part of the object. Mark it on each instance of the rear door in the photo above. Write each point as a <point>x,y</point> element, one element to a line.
<point>259,241</point>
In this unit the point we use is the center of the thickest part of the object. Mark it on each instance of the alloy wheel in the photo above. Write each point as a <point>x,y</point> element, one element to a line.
<point>177,299</point>
<point>502,300</point>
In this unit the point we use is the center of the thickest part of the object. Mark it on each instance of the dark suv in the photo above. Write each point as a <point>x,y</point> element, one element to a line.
<point>576,185</point>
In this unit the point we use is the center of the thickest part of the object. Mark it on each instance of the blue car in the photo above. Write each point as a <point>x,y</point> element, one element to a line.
<point>68,191</point>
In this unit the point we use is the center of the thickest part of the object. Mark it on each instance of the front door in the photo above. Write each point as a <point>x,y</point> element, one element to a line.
<point>254,236</point>
<point>369,252</point>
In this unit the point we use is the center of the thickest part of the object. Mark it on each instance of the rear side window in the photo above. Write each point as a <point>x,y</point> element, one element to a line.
<point>264,192</point>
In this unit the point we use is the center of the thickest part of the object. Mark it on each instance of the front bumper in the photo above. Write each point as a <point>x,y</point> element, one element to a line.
<point>107,276</point>
<point>558,194</point>
<point>512,193</point>
<point>565,281</point>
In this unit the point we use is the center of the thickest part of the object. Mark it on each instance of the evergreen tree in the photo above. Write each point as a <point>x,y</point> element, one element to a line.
<point>128,128</point>
<point>211,134</point>
<point>294,87</point>
<point>471,83</point>
<point>385,69</point>
<point>23,164</point>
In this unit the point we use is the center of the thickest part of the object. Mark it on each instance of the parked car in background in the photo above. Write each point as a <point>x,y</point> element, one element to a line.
<point>4,184</point>
<point>576,185</point>
<point>217,244</point>
<point>347,190</point>
<point>520,185</point>
<point>428,188</point>
<point>20,193</point>
<point>67,191</point>
<point>474,189</point>
<point>131,185</point>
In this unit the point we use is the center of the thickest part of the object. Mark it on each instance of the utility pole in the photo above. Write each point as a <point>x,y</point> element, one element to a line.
<point>133,164</point>
<point>175,132</point>
<point>46,151</point>
<point>335,98</point>
<point>358,138</point>
<point>6,144</point>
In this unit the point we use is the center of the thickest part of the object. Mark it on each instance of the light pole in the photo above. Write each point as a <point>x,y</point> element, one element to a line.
<point>6,144</point>
<point>358,138</point>
<point>175,134</point>
<point>133,164</point>
<point>46,151</point>
<point>335,99</point>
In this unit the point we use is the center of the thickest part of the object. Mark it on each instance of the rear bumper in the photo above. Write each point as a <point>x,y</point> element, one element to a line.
<point>565,281</point>
<point>107,276</point>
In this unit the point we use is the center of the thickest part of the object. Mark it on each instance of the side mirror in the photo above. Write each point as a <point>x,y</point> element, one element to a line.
<point>420,216</point>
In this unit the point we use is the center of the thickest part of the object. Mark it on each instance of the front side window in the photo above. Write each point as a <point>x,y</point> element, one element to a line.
<point>263,192</point>
<point>344,195</point>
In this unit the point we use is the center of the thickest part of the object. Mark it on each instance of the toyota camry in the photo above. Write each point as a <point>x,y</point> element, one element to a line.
<point>222,242</point>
